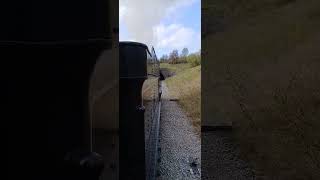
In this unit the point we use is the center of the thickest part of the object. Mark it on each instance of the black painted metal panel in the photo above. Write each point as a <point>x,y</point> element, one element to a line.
<point>48,50</point>
<point>139,111</point>
<point>132,60</point>
<point>54,20</point>
<point>49,92</point>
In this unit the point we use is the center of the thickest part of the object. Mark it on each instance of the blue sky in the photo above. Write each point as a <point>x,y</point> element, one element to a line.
<point>174,24</point>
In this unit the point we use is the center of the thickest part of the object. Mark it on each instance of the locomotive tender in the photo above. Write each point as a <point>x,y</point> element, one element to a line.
<point>140,94</point>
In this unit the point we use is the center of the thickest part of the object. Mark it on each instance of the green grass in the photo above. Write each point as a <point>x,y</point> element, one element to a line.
<point>186,86</point>
<point>175,68</point>
<point>263,75</point>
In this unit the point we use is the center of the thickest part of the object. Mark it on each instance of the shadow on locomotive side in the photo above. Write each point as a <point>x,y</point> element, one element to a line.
<point>128,143</point>
<point>64,88</point>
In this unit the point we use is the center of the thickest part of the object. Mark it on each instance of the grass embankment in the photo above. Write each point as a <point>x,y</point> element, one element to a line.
<point>175,68</point>
<point>186,87</point>
<point>264,75</point>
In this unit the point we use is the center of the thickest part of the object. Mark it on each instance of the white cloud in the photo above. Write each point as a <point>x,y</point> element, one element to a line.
<point>141,16</point>
<point>122,12</point>
<point>142,19</point>
<point>176,36</point>
<point>178,4</point>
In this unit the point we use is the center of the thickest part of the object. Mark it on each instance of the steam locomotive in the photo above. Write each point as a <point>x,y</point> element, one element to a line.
<point>139,109</point>
<point>84,106</point>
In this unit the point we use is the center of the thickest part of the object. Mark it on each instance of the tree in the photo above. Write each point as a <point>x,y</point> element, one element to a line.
<point>194,59</point>
<point>164,58</point>
<point>184,52</point>
<point>174,57</point>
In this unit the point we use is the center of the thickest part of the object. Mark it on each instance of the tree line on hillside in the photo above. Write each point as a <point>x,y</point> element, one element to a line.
<point>174,58</point>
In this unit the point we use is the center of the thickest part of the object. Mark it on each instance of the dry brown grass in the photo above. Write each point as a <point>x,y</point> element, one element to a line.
<point>186,86</point>
<point>175,68</point>
<point>263,74</point>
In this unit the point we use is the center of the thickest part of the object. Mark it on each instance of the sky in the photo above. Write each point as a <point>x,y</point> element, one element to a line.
<point>164,24</point>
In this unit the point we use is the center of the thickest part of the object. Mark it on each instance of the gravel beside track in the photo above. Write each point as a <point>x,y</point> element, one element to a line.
<point>180,145</point>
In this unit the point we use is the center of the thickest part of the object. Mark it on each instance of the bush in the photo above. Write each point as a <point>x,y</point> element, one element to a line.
<point>179,60</point>
<point>194,60</point>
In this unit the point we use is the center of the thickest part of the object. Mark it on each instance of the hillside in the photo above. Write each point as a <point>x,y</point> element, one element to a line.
<point>186,87</point>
